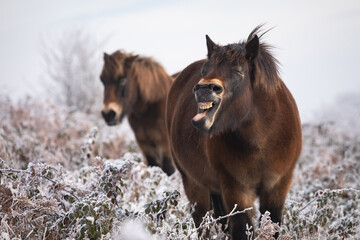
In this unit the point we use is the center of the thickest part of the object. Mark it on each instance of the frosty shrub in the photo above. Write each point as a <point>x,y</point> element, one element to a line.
<point>73,63</point>
<point>65,175</point>
<point>324,200</point>
<point>158,210</point>
<point>32,131</point>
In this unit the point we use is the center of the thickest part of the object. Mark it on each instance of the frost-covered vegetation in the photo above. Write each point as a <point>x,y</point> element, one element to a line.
<point>65,175</point>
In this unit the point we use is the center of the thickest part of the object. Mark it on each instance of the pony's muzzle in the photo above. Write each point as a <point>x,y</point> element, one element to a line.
<point>207,92</point>
<point>208,87</point>
<point>112,113</point>
<point>109,116</point>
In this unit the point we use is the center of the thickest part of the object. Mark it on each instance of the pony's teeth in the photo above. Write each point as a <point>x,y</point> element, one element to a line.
<point>205,105</point>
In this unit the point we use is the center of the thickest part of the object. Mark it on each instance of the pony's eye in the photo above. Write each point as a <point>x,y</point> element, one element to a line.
<point>239,73</point>
<point>123,81</point>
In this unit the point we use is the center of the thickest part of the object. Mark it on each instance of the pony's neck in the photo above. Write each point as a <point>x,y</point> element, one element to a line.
<point>257,127</point>
<point>143,108</point>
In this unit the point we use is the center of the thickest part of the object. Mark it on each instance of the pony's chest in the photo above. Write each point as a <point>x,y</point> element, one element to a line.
<point>231,155</point>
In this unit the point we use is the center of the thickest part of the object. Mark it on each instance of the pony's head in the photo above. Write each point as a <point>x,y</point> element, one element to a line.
<point>120,93</point>
<point>231,76</point>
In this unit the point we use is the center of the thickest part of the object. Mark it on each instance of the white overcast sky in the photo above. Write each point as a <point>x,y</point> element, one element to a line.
<point>317,42</point>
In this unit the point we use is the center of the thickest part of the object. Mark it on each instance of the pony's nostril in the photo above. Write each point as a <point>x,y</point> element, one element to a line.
<point>103,114</point>
<point>196,87</point>
<point>206,87</point>
<point>216,88</point>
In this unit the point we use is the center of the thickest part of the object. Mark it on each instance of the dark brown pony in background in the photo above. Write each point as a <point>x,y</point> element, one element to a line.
<point>240,137</point>
<point>137,87</point>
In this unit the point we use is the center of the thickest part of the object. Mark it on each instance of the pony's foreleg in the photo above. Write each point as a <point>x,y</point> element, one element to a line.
<point>219,208</point>
<point>273,199</point>
<point>149,152</point>
<point>167,165</point>
<point>198,196</point>
<point>151,161</point>
<point>234,193</point>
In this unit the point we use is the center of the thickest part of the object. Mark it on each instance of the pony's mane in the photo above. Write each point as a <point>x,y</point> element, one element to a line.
<point>152,80</point>
<point>266,65</point>
<point>114,63</point>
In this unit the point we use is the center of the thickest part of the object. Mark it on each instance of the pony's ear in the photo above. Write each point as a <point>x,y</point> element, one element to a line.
<point>107,57</point>
<point>130,60</point>
<point>211,46</point>
<point>252,48</point>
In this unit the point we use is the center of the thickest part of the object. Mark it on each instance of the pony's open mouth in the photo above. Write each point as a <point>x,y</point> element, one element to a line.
<point>203,109</point>
<point>205,116</point>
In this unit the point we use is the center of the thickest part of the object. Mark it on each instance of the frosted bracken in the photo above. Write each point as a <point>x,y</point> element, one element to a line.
<point>65,175</point>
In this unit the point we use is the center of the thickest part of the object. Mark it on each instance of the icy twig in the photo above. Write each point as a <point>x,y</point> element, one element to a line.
<point>7,226</point>
<point>232,213</point>
<point>45,233</point>
<point>30,233</point>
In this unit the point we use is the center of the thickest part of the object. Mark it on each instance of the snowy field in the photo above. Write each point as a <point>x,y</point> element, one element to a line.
<point>65,175</point>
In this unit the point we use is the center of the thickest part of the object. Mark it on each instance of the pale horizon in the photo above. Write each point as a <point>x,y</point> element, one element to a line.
<point>315,42</point>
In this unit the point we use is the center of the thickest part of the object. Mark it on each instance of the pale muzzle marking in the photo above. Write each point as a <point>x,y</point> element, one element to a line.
<point>113,106</point>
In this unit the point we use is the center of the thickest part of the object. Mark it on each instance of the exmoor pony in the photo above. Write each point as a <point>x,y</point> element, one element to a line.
<point>136,87</point>
<point>234,132</point>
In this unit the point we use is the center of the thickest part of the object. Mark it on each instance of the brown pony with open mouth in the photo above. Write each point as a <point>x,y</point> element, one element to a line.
<point>234,131</point>
<point>136,87</point>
